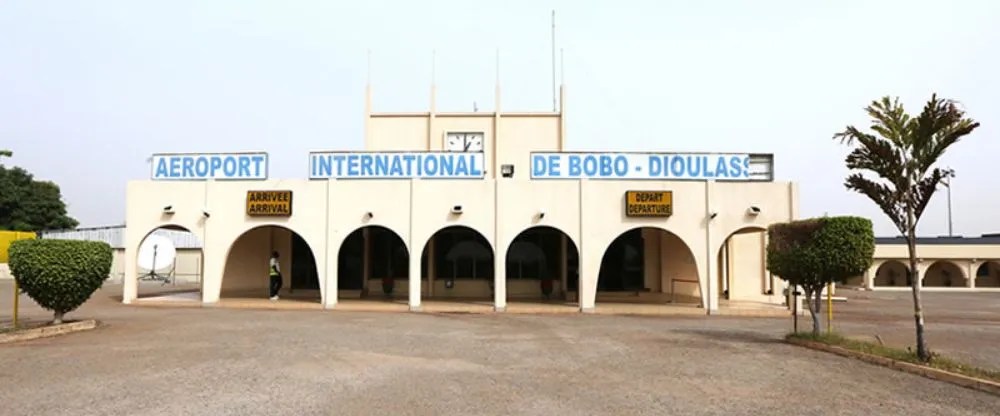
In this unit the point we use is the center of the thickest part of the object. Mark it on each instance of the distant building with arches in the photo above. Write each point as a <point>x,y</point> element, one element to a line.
<point>943,263</point>
<point>480,205</point>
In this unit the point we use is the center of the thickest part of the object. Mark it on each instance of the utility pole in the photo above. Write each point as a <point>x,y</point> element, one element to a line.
<point>947,184</point>
<point>554,106</point>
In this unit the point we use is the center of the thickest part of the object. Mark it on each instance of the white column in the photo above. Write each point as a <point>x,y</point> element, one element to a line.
<point>971,270</point>
<point>499,284</point>
<point>331,285</point>
<point>416,251</point>
<point>586,288</point>
<point>328,290</point>
<point>870,276</point>
<point>710,297</point>
<point>130,284</point>
<point>215,264</point>
<point>499,254</point>
<point>414,286</point>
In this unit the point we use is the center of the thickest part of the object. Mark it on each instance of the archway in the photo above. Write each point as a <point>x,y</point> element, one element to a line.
<point>247,265</point>
<point>742,266</point>
<point>892,273</point>
<point>371,260</point>
<point>988,274</point>
<point>944,273</point>
<point>179,278</point>
<point>457,262</point>
<point>542,259</point>
<point>648,264</point>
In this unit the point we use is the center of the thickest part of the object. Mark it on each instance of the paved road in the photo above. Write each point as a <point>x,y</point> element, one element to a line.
<point>238,362</point>
<point>958,325</point>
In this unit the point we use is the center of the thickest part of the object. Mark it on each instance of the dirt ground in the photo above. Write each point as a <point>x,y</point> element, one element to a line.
<point>213,361</point>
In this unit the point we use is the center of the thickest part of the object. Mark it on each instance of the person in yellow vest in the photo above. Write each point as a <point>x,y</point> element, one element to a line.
<point>274,271</point>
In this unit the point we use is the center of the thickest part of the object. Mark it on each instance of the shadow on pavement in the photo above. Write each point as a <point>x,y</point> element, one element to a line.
<point>731,335</point>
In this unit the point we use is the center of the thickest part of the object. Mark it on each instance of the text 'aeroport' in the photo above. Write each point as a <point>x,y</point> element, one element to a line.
<point>246,166</point>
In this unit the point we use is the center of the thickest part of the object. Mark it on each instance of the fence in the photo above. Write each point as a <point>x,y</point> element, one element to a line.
<point>7,237</point>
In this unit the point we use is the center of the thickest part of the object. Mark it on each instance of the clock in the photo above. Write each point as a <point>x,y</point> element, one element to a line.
<point>463,142</point>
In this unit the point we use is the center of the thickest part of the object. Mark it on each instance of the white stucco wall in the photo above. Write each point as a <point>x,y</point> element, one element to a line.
<point>589,212</point>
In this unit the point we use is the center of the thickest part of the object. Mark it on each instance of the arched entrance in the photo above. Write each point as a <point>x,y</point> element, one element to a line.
<point>892,273</point>
<point>457,262</point>
<point>944,273</point>
<point>542,259</point>
<point>742,268</point>
<point>988,274</point>
<point>371,256</point>
<point>649,265</point>
<point>177,269</point>
<point>245,273</point>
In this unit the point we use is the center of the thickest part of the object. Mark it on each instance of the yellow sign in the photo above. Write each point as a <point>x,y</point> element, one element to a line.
<point>7,237</point>
<point>269,203</point>
<point>649,203</point>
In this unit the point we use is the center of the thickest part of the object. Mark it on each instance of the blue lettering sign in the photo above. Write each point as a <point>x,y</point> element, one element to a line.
<point>231,166</point>
<point>425,165</point>
<point>640,166</point>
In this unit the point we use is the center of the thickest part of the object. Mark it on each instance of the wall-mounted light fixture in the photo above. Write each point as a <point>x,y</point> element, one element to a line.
<point>168,210</point>
<point>541,213</point>
<point>507,171</point>
<point>713,215</point>
<point>205,213</point>
<point>369,215</point>
<point>457,210</point>
<point>753,211</point>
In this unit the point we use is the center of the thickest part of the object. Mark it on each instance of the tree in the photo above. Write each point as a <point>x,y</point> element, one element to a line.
<point>6,153</point>
<point>816,252</point>
<point>60,275</point>
<point>901,155</point>
<point>27,204</point>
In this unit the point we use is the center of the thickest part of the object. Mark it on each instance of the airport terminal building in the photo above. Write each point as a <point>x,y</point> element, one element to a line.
<point>480,205</point>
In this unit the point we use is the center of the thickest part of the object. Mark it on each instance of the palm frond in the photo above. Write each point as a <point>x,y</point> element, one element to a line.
<point>889,119</point>
<point>883,195</point>
<point>940,125</point>
<point>878,156</point>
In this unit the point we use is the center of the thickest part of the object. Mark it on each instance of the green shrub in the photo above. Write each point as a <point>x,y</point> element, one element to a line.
<point>815,252</point>
<point>60,275</point>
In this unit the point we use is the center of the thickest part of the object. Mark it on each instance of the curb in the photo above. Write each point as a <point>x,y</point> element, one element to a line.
<point>477,310</point>
<point>985,386</point>
<point>47,331</point>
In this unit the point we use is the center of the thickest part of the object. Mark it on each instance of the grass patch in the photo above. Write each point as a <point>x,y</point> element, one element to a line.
<point>905,355</point>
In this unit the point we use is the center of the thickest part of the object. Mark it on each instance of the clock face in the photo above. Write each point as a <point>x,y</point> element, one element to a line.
<point>464,142</point>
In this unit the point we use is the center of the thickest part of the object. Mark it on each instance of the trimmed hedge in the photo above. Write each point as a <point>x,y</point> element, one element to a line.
<point>817,251</point>
<point>60,275</point>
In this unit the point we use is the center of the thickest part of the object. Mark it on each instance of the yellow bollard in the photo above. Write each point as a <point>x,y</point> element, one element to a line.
<point>16,298</point>
<point>829,308</point>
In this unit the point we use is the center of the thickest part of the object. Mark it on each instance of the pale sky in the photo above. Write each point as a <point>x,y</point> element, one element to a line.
<point>90,89</point>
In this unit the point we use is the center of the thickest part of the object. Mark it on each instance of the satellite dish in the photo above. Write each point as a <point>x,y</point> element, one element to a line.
<point>156,253</point>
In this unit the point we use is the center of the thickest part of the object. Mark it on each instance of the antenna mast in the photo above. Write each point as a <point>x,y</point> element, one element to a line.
<point>554,107</point>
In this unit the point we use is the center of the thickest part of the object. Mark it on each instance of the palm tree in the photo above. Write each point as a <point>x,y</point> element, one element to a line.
<point>901,157</point>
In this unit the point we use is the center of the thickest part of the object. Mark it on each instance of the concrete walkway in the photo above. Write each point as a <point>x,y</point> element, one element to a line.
<point>191,299</point>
